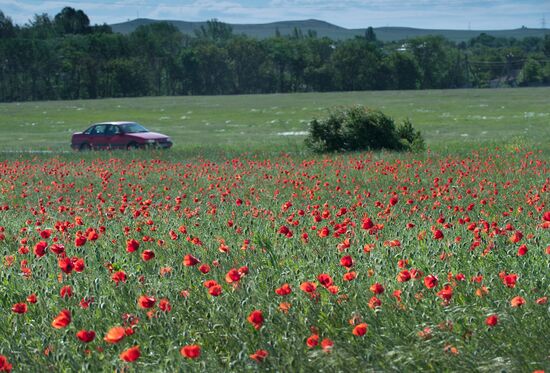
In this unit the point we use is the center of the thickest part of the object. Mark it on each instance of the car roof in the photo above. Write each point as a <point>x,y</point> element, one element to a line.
<point>113,123</point>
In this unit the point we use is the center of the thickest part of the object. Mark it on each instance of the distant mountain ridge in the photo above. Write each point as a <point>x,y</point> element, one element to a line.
<point>322,29</point>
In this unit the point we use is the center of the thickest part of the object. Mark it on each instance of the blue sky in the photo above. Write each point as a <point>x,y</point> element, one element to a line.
<point>433,14</point>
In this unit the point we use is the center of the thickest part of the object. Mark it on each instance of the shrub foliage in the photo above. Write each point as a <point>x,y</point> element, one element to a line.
<point>361,128</point>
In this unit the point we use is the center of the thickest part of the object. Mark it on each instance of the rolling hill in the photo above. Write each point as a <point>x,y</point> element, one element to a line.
<point>323,29</point>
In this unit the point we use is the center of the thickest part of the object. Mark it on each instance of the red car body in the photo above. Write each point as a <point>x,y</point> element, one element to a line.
<point>118,135</point>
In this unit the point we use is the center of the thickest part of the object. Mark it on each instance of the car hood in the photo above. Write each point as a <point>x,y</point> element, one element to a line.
<point>148,135</point>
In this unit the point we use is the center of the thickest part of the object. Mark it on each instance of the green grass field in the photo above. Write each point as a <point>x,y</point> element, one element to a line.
<point>227,254</point>
<point>449,119</point>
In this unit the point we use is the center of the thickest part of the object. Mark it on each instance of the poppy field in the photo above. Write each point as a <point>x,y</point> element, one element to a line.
<point>360,262</point>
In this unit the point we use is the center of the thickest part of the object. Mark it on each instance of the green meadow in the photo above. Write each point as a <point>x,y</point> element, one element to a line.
<point>242,246</point>
<point>450,120</point>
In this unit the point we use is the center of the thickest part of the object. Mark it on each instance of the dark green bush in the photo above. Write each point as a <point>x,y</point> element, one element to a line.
<point>360,128</point>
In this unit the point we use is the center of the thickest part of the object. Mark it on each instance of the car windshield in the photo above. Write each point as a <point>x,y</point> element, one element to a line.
<point>133,128</point>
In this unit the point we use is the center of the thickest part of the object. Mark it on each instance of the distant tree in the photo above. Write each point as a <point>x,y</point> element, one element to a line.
<point>433,58</point>
<point>246,57</point>
<point>278,51</point>
<point>215,31</point>
<point>297,33</point>
<point>72,21</point>
<point>405,73</point>
<point>7,30</point>
<point>41,26</point>
<point>532,72</point>
<point>546,45</point>
<point>129,77</point>
<point>102,29</point>
<point>312,34</point>
<point>158,45</point>
<point>356,65</point>
<point>370,34</point>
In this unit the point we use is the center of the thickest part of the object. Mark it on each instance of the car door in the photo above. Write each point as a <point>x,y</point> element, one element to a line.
<point>116,139</point>
<point>99,137</point>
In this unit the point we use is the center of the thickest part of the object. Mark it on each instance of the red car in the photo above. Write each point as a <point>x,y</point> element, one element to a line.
<point>118,135</point>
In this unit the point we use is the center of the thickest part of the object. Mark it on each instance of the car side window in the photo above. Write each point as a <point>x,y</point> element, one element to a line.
<point>99,130</point>
<point>89,131</point>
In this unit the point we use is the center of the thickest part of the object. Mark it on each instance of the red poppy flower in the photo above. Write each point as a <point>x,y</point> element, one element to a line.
<point>308,287</point>
<point>164,305</point>
<point>438,235</point>
<point>360,330</point>
<point>62,319</point>
<point>5,366</point>
<point>132,245</point>
<point>189,260</point>
<point>324,232</point>
<point>325,280</point>
<point>85,336</point>
<point>215,290</point>
<point>516,237</point>
<point>327,344</point>
<point>19,308</point>
<point>40,249</point>
<point>509,279</point>
<point>57,248</point>
<point>367,223</point>
<point>191,351</point>
<point>131,354</point>
<point>430,281</point>
<point>204,268</point>
<point>92,235</point>
<point>522,250</point>
<point>377,288</point>
<point>333,289</point>
<point>446,293</point>
<point>491,320</point>
<point>147,255</point>
<point>32,298</point>
<point>375,302</point>
<point>404,276</point>
<point>517,301</point>
<point>232,276</point>
<point>256,318</point>
<point>66,265</point>
<point>146,302</point>
<point>350,276</point>
<point>119,276</point>
<point>259,355</point>
<point>346,261</point>
<point>115,334</point>
<point>78,264</point>
<point>66,291</point>
<point>542,300</point>
<point>283,290</point>
<point>312,341</point>
<point>79,241</point>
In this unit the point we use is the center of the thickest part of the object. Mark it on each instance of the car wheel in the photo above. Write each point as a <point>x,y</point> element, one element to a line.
<point>132,146</point>
<point>85,147</point>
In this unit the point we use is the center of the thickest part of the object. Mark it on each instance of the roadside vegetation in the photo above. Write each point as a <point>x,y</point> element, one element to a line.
<point>360,128</point>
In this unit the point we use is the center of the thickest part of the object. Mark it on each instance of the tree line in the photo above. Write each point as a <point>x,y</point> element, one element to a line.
<point>65,57</point>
